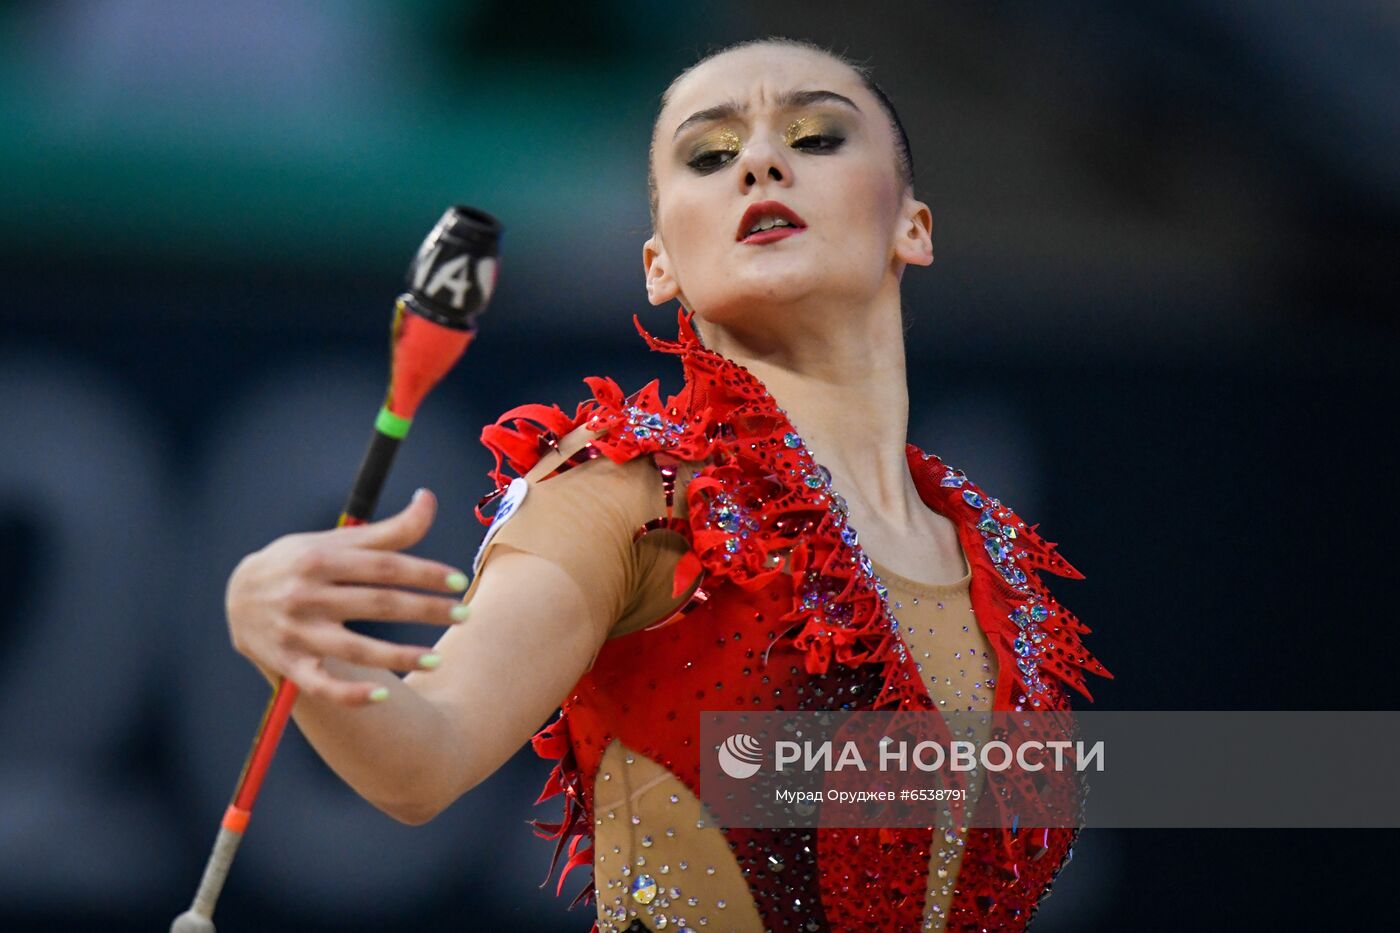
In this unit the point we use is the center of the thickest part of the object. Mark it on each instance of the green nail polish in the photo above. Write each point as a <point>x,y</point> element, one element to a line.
<point>379,694</point>
<point>430,660</point>
<point>457,580</point>
<point>461,611</point>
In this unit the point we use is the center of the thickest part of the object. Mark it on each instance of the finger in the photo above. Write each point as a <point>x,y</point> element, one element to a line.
<point>398,531</point>
<point>381,605</point>
<point>311,679</point>
<point>335,641</point>
<point>389,568</point>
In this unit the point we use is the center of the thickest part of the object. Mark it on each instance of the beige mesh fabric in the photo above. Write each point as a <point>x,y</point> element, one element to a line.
<point>646,819</point>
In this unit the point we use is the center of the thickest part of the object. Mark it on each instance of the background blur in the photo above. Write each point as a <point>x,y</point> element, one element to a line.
<point>1161,324</point>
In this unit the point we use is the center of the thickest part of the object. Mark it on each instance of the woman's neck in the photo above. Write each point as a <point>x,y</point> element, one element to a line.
<point>843,385</point>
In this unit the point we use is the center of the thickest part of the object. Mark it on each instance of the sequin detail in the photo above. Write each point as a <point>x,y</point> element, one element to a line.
<point>646,425</point>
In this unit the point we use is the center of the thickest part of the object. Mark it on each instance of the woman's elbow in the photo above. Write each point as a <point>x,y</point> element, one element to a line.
<point>426,808</point>
<point>412,815</point>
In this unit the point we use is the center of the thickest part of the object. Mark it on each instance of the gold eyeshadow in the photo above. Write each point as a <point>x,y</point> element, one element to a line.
<point>720,139</point>
<point>706,152</point>
<point>813,125</point>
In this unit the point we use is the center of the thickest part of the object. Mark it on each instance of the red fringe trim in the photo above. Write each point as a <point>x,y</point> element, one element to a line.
<point>575,827</point>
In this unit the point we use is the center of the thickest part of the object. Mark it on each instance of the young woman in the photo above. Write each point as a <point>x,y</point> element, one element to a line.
<point>652,560</point>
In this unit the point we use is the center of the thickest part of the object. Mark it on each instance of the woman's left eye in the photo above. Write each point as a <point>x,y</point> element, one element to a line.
<point>818,143</point>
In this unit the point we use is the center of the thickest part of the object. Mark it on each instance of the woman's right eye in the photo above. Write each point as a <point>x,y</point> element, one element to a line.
<point>709,161</point>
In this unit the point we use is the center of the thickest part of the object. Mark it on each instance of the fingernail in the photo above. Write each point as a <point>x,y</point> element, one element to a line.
<point>456,580</point>
<point>418,493</point>
<point>430,660</point>
<point>379,694</point>
<point>461,611</point>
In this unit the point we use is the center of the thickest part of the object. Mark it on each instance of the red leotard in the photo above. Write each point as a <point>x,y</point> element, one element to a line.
<point>779,568</point>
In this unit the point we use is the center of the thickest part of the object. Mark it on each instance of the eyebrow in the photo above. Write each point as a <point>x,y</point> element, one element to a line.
<point>786,100</point>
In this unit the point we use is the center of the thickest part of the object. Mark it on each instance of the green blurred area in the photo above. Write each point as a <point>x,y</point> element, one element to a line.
<point>319,134</point>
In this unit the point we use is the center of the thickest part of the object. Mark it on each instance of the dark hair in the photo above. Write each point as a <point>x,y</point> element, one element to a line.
<point>904,160</point>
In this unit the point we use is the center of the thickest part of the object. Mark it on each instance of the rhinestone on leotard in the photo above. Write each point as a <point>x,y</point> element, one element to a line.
<point>644,889</point>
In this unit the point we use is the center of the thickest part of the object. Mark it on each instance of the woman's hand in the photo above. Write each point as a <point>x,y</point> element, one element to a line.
<point>287,603</point>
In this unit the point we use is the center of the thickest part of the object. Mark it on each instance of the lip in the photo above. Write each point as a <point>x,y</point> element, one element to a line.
<point>761,209</point>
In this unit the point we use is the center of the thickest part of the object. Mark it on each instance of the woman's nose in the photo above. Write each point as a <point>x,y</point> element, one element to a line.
<point>763,160</point>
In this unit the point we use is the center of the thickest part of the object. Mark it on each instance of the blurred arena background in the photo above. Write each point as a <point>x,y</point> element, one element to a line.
<point>1161,323</point>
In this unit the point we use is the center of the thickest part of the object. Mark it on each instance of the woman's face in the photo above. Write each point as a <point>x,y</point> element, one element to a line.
<point>829,157</point>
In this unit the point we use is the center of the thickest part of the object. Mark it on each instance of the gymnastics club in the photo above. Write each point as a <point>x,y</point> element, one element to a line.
<point>449,283</point>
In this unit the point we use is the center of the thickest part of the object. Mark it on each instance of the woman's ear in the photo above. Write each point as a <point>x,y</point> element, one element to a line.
<point>661,285</point>
<point>913,242</point>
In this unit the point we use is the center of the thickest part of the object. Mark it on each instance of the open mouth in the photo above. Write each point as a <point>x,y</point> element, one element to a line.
<point>767,221</point>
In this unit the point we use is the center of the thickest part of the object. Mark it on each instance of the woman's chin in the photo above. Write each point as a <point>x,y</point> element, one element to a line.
<point>781,282</point>
<point>750,303</point>
<point>779,277</point>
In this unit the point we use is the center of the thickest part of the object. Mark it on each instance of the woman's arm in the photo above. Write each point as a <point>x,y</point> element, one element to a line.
<point>554,581</point>
<point>555,575</point>
<point>382,750</point>
<point>448,725</point>
<point>441,732</point>
<point>505,671</point>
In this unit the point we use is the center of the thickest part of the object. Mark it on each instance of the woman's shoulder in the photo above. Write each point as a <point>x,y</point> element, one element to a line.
<point>596,518</point>
<point>634,486</point>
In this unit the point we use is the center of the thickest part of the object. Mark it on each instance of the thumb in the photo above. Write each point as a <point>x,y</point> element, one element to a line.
<point>404,528</point>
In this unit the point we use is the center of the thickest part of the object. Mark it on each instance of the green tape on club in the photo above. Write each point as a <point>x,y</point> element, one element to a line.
<point>392,425</point>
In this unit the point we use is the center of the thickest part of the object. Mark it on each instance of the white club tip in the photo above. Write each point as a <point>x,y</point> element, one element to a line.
<point>191,922</point>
